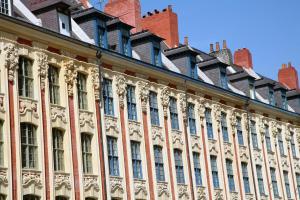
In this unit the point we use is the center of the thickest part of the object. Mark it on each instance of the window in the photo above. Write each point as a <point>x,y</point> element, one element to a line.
<point>209,126</point>
<point>287,184</point>
<point>29,146</point>
<point>153,108</point>
<point>245,177</point>
<point>61,198</point>
<point>274,182</point>
<point>298,183</point>
<point>53,77</point>
<point>157,57</point>
<point>1,145</point>
<point>174,114</point>
<point>268,138</point>
<point>31,197</point>
<point>252,89</point>
<point>271,97</point>
<point>293,146</point>
<point>284,100</point>
<point>159,163</point>
<point>131,103</point>
<point>224,83</point>
<point>108,97</point>
<point>113,159</point>
<point>136,160</point>
<point>197,168</point>
<point>64,24</point>
<point>224,127</point>
<point>253,134</point>
<point>179,166</point>
<point>125,45</point>
<point>280,143</point>
<point>260,180</point>
<point>102,37</point>
<point>194,68</point>
<point>4,7</point>
<point>82,91</point>
<point>240,131</point>
<point>230,175</point>
<point>25,77</point>
<point>191,118</point>
<point>214,171</point>
<point>58,149</point>
<point>86,145</point>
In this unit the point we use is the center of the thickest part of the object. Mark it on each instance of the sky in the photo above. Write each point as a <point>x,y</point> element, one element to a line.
<point>270,29</point>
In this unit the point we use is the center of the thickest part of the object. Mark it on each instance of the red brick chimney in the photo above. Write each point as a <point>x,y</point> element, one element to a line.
<point>129,11</point>
<point>164,24</point>
<point>288,76</point>
<point>243,58</point>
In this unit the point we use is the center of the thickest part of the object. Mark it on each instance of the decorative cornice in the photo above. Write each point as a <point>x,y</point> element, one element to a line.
<point>121,88</point>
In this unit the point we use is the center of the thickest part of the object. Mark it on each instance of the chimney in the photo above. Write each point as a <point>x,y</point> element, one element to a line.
<point>217,46</point>
<point>224,44</point>
<point>288,76</point>
<point>243,58</point>
<point>129,11</point>
<point>163,24</point>
<point>211,47</point>
<point>186,40</point>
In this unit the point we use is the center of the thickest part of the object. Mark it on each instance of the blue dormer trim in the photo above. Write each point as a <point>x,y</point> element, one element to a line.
<point>192,67</point>
<point>100,24</point>
<point>154,47</point>
<point>121,34</point>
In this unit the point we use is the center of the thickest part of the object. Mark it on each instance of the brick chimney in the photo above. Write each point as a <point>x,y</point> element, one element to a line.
<point>243,58</point>
<point>288,76</point>
<point>129,11</point>
<point>223,54</point>
<point>164,24</point>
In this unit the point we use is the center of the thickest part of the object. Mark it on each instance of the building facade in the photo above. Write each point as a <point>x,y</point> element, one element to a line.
<point>86,121</point>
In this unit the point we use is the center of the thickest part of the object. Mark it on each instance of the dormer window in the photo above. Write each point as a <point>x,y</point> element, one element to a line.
<point>224,82</point>
<point>102,37</point>
<point>284,100</point>
<point>252,90</point>
<point>5,7</point>
<point>125,45</point>
<point>64,24</point>
<point>194,73</point>
<point>156,57</point>
<point>271,97</point>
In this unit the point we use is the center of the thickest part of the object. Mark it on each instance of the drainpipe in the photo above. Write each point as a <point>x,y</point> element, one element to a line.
<point>247,104</point>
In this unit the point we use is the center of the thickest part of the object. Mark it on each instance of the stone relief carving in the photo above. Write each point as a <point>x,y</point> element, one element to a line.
<point>234,196</point>
<point>183,192</point>
<point>201,108</point>
<point>285,163</point>
<point>201,193</point>
<point>135,129</point>
<point>86,117</point>
<point>95,80</point>
<point>157,133</point>
<point>70,75</point>
<point>61,180</point>
<point>228,150</point>
<point>2,107</point>
<point>177,138</point>
<point>162,189</point>
<point>165,98</point>
<point>274,129</point>
<point>250,197</point>
<point>58,112</point>
<point>262,123</point>
<point>121,88</point>
<point>232,118</point>
<point>196,142</point>
<point>111,125</point>
<point>217,114</point>
<point>27,105</point>
<point>218,195</point>
<point>42,62</point>
<point>91,182</point>
<point>11,61</point>
<point>258,156</point>
<point>32,177</point>
<point>140,188</point>
<point>3,177</point>
<point>116,185</point>
<point>183,106</point>
<point>143,94</point>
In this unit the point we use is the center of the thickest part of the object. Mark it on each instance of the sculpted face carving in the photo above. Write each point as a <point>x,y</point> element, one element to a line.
<point>70,75</point>
<point>121,88</point>
<point>11,60</point>
<point>165,98</point>
<point>42,62</point>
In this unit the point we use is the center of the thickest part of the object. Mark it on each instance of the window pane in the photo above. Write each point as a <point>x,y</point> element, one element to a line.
<point>113,159</point>
<point>29,146</point>
<point>108,97</point>
<point>131,103</point>
<point>159,163</point>
<point>174,113</point>
<point>153,108</point>
<point>53,78</point>
<point>179,166</point>
<point>136,160</point>
<point>25,77</point>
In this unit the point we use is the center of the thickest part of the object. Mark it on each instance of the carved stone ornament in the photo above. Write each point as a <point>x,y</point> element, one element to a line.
<point>91,182</point>
<point>257,156</point>
<point>274,129</point>
<point>116,185</point>
<point>165,99</point>
<point>201,108</point>
<point>157,133</point>
<point>289,133</point>
<point>144,94</point>
<point>3,177</point>
<point>2,107</point>
<point>217,114</point>
<point>262,125</point>
<point>218,195</point>
<point>245,119</point>
<point>42,62</point>
<point>183,106</point>
<point>228,150</point>
<point>250,197</point>
<point>135,129</point>
<point>11,61</point>
<point>26,105</point>
<point>95,80</point>
<point>86,118</point>
<point>70,75</point>
<point>196,142</point>
<point>111,125</point>
<point>177,138</point>
<point>32,177</point>
<point>61,180</point>
<point>298,135</point>
<point>234,196</point>
<point>140,188</point>
<point>121,88</point>
<point>183,192</point>
<point>232,118</point>
<point>162,189</point>
<point>58,112</point>
<point>201,193</point>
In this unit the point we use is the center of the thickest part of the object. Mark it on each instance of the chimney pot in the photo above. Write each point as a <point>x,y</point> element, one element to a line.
<point>243,58</point>
<point>186,40</point>
<point>289,64</point>
<point>288,76</point>
<point>170,7</point>
<point>224,44</point>
<point>283,66</point>
<point>211,48</point>
<point>217,46</point>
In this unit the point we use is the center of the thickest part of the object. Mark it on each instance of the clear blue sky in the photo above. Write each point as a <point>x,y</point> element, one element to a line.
<point>269,28</point>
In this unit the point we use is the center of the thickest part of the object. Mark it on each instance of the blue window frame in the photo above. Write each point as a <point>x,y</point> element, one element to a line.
<point>224,127</point>
<point>136,160</point>
<point>274,182</point>
<point>154,115</point>
<point>179,166</point>
<point>280,143</point>
<point>298,182</point>
<point>246,177</point>
<point>240,131</point>
<point>197,168</point>
<point>108,97</point>
<point>25,77</point>
<point>223,78</point>
<point>159,163</point>
<point>271,97</point>
<point>113,159</point>
<point>260,180</point>
<point>214,171</point>
<point>268,138</point>
<point>194,67</point>
<point>174,114</point>
<point>191,118</point>
<point>230,175</point>
<point>287,184</point>
<point>102,41</point>
<point>293,146</point>
<point>209,127</point>
<point>156,56</point>
<point>131,103</point>
<point>253,134</point>
<point>4,7</point>
<point>284,100</point>
<point>126,45</point>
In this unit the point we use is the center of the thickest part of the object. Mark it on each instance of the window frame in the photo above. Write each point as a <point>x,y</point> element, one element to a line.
<point>113,156</point>
<point>274,182</point>
<point>159,163</point>
<point>108,98</point>
<point>131,103</point>
<point>82,91</point>
<point>179,168</point>
<point>224,127</point>
<point>246,177</point>
<point>54,86</point>
<point>86,153</point>
<point>25,77</point>
<point>192,119</point>
<point>239,130</point>
<point>197,168</point>
<point>230,175</point>
<point>209,124</point>
<point>29,148</point>
<point>58,149</point>
<point>136,159</point>
<point>154,112</point>
<point>215,171</point>
<point>260,179</point>
<point>174,113</point>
